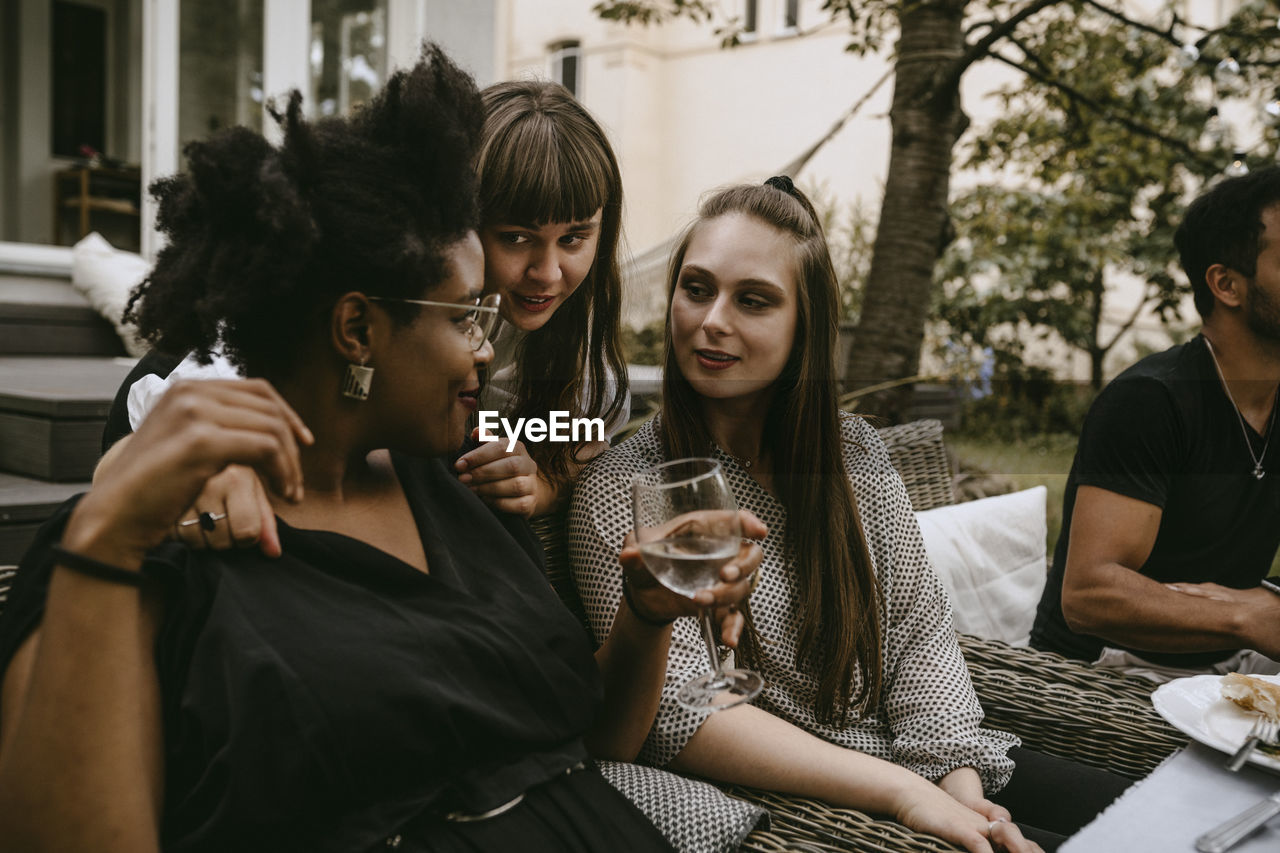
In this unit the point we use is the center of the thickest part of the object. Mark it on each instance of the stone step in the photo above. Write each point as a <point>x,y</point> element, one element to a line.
<point>45,315</point>
<point>52,411</point>
<point>25,504</point>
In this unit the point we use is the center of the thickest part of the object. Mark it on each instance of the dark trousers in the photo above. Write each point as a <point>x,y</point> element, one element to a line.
<point>1053,798</point>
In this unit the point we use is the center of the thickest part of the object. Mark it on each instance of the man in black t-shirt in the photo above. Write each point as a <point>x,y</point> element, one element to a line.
<point>1172,509</point>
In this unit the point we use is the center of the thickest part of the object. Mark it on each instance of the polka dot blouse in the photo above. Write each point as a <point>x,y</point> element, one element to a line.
<point>928,718</point>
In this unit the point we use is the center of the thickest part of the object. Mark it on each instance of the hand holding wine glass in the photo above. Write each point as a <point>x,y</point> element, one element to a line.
<point>657,603</point>
<point>687,527</point>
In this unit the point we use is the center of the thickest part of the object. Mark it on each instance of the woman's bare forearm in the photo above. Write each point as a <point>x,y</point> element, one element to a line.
<point>80,735</point>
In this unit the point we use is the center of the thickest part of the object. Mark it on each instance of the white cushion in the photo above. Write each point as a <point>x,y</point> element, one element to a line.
<point>990,554</point>
<point>106,275</point>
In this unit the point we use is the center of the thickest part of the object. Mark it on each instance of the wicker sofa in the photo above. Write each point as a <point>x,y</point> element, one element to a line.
<point>1057,706</point>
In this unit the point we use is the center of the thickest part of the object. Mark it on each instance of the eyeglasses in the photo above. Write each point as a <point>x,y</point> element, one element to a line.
<point>479,323</point>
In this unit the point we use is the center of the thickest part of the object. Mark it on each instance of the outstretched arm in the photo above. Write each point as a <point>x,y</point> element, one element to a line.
<point>749,746</point>
<point>1104,594</point>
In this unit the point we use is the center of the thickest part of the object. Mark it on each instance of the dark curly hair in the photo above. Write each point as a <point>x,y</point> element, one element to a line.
<point>262,240</point>
<point>1223,226</point>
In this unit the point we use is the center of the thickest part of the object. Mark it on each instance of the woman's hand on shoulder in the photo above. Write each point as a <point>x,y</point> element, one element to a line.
<point>236,505</point>
<point>656,603</point>
<point>506,480</point>
<point>196,431</point>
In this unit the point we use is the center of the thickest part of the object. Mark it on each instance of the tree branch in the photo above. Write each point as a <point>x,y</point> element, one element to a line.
<point>794,167</point>
<point>982,47</point>
<point>1121,119</point>
<point>1127,324</point>
<point>1167,35</point>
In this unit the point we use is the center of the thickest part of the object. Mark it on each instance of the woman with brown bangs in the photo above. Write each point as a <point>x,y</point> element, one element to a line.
<point>551,205</point>
<point>867,702</point>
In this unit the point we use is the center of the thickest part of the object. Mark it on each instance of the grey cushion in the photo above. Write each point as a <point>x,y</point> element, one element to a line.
<point>694,816</point>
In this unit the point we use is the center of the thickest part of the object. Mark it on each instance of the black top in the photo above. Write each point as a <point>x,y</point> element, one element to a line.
<point>336,696</point>
<point>1165,432</point>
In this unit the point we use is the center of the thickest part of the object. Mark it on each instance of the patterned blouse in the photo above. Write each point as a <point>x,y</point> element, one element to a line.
<point>928,718</point>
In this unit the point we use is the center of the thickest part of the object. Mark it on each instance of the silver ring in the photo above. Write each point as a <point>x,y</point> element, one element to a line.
<point>206,520</point>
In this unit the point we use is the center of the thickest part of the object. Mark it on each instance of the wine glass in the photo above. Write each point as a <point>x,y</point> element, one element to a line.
<point>686,524</point>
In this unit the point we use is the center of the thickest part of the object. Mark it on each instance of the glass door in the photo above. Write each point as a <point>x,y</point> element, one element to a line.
<point>210,64</point>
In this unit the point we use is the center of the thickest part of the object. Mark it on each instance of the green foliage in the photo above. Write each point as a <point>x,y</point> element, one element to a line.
<point>1026,401</point>
<point>643,346</point>
<point>1086,198</point>
<point>646,12</point>
<point>850,230</point>
<point>1102,142</point>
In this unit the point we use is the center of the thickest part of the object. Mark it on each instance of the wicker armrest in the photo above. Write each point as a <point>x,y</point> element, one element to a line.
<point>6,581</point>
<point>552,531</point>
<point>1070,709</point>
<point>802,824</point>
<point>920,457</point>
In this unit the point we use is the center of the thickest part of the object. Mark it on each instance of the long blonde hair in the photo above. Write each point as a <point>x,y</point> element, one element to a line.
<point>839,597</point>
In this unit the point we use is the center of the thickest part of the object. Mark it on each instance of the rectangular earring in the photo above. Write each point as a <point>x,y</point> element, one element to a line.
<point>357,381</point>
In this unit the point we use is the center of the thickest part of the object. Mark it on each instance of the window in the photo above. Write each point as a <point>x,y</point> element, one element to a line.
<point>79,79</point>
<point>790,15</point>
<point>348,54</point>
<point>566,65</point>
<point>220,51</point>
<point>749,22</point>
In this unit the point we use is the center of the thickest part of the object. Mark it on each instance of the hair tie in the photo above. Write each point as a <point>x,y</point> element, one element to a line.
<point>782,182</point>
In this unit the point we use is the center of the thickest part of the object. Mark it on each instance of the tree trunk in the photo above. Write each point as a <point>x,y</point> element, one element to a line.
<point>1097,352</point>
<point>915,226</point>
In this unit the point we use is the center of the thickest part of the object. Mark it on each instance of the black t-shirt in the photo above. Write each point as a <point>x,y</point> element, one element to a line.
<point>1164,432</point>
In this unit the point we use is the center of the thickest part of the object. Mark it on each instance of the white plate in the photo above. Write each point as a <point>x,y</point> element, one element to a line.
<point>1195,706</point>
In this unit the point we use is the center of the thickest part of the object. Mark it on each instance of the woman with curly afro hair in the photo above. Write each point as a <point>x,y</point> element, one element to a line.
<point>551,224</point>
<point>403,677</point>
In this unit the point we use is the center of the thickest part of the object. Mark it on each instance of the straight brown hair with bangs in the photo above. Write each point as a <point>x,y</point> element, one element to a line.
<point>544,159</point>
<point>840,634</point>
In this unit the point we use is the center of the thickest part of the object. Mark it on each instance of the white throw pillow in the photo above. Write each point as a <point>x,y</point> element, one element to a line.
<point>106,275</point>
<point>990,554</point>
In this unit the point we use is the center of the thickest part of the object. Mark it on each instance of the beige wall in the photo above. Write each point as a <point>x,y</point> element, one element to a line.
<point>686,116</point>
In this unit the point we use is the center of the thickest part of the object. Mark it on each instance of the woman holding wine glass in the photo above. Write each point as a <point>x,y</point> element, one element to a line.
<point>867,700</point>
<point>687,528</point>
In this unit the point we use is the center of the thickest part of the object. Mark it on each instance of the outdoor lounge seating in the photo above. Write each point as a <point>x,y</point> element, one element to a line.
<point>1055,705</point>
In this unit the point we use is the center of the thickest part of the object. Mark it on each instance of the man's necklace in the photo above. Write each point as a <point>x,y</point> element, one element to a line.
<point>1258,472</point>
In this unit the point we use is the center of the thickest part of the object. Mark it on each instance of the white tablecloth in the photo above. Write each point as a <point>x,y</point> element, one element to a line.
<point>1185,797</point>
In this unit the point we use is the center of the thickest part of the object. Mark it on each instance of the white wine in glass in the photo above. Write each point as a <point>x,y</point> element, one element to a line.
<point>686,524</point>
